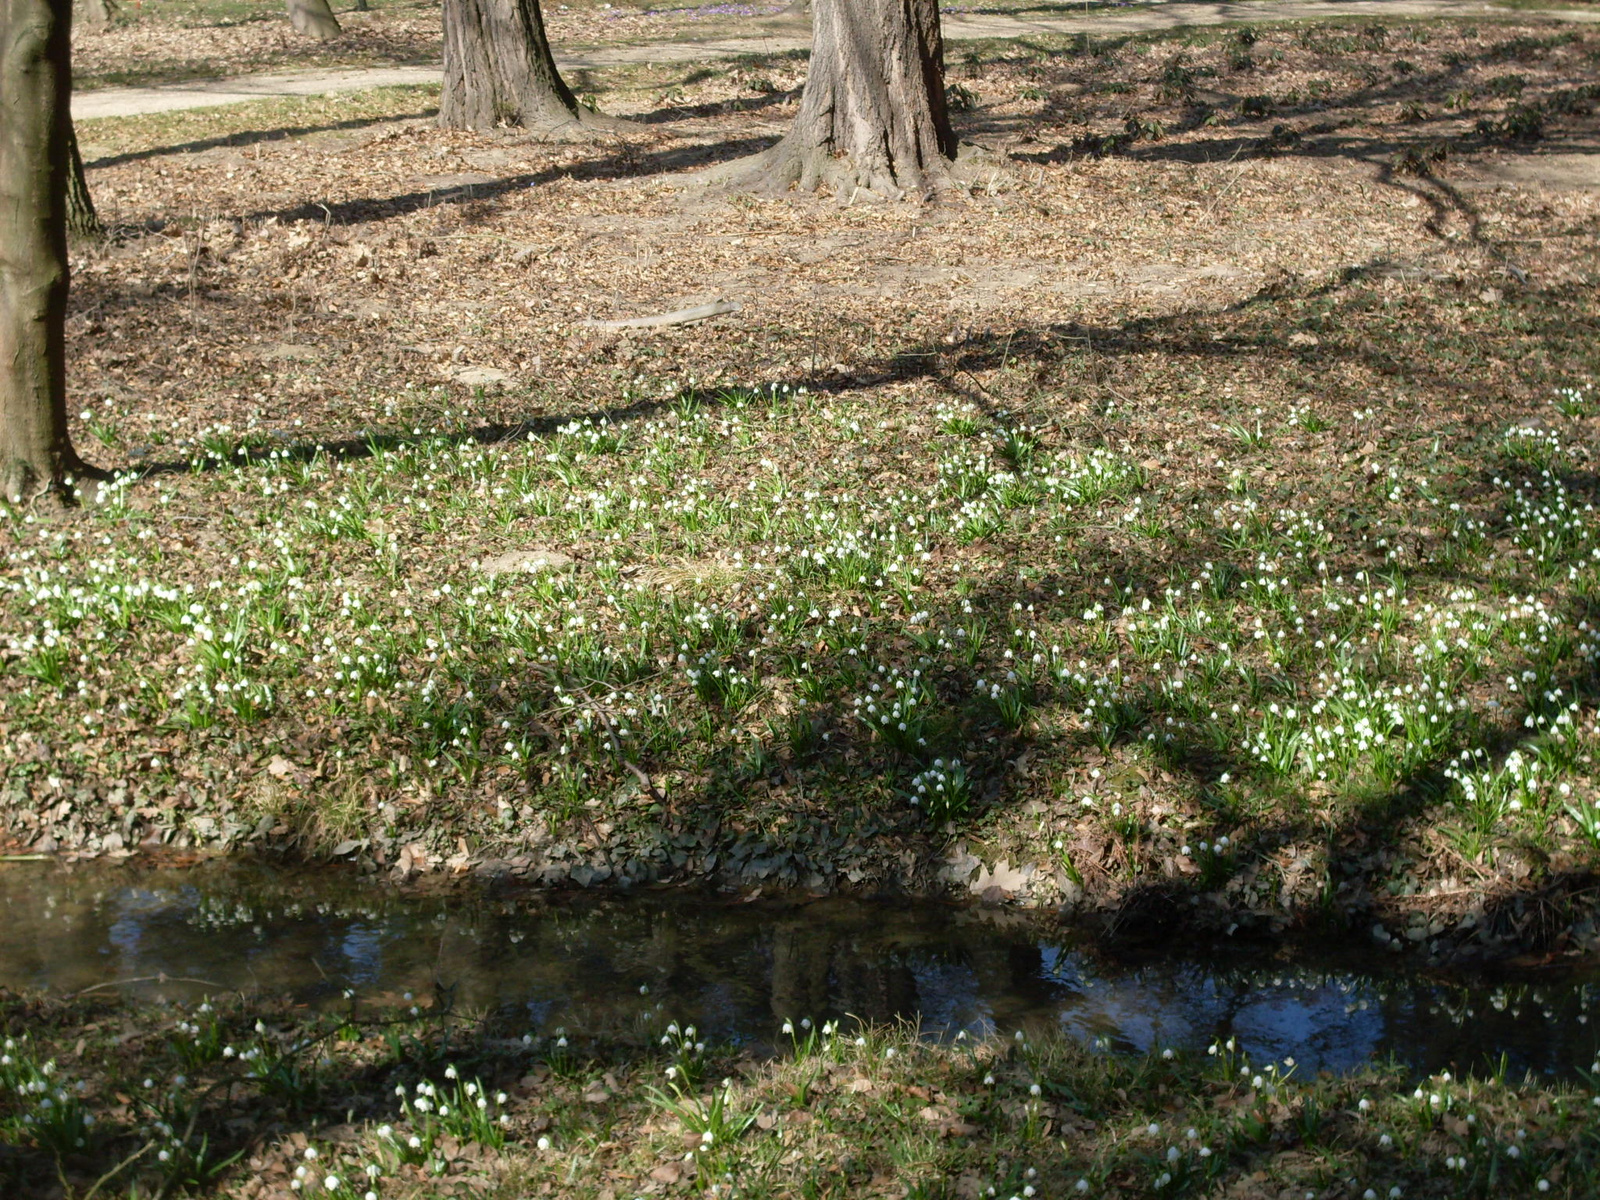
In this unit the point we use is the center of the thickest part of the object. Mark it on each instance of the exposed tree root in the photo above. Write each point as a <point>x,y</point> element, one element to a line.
<point>786,168</point>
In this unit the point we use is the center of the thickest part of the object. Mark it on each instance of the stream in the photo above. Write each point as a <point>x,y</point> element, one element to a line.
<point>598,964</point>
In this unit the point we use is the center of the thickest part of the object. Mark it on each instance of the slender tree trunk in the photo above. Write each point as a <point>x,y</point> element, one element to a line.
<point>82,220</point>
<point>314,19</point>
<point>872,116</point>
<point>97,14</point>
<point>498,70</point>
<point>36,454</point>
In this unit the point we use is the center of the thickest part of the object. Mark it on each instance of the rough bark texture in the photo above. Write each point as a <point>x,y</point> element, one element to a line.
<point>35,160</point>
<point>498,70</point>
<point>314,19</point>
<point>873,114</point>
<point>82,220</point>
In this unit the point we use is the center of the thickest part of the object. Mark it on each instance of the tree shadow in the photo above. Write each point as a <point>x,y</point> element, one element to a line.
<point>624,163</point>
<point>255,137</point>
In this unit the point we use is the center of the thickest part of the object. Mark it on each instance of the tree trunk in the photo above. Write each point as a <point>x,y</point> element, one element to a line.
<point>97,14</point>
<point>82,220</point>
<point>498,70</point>
<point>36,454</point>
<point>314,19</point>
<point>872,116</point>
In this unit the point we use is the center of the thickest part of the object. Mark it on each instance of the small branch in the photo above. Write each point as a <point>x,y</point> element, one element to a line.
<point>682,316</point>
<point>148,979</point>
<point>616,747</point>
<point>118,1169</point>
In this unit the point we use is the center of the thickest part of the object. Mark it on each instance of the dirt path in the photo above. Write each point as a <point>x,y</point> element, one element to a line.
<point>783,35</point>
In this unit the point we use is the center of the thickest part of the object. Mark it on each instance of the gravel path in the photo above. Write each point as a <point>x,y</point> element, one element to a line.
<point>203,93</point>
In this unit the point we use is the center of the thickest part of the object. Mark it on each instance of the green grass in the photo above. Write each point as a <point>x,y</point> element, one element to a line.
<point>259,120</point>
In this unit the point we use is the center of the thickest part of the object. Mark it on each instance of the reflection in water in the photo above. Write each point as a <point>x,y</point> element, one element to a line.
<point>602,964</point>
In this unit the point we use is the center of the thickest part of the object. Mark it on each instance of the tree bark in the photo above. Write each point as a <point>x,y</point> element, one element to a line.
<point>498,70</point>
<point>36,453</point>
<point>82,220</point>
<point>872,115</point>
<point>314,19</point>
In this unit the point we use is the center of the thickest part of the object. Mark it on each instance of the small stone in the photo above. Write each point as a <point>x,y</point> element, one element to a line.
<point>483,377</point>
<point>531,562</point>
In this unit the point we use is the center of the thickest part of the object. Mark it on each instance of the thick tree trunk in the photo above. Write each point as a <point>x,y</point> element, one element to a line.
<point>36,454</point>
<point>82,220</point>
<point>498,70</point>
<point>314,19</point>
<point>872,115</point>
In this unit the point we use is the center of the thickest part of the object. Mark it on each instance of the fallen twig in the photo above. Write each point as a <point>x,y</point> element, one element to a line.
<point>162,978</point>
<point>682,316</point>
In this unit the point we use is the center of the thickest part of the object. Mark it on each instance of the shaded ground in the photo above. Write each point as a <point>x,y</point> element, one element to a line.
<point>1205,486</point>
<point>254,1097</point>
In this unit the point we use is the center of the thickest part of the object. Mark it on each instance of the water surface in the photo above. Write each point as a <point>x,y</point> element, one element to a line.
<point>599,964</point>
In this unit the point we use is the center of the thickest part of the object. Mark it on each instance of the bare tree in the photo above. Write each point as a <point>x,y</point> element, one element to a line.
<point>314,19</point>
<point>36,453</point>
<point>872,115</point>
<point>82,220</point>
<point>498,70</point>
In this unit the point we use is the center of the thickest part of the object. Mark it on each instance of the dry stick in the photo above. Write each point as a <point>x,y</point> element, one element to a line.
<point>118,1169</point>
<point>26,857</point>
<point>148,979</point>
<point>1237,176</point>
<point>616,748</point>
<point>682,316</point>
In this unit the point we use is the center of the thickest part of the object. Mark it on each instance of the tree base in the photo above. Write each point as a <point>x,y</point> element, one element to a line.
<point>22,484</point>
<point>581,125</point>
<point>787,168</point>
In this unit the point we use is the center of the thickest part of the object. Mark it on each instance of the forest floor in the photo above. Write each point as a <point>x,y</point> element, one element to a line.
<point>257,1099</point>
<point>184,55</point>
<point>1192,526</point>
